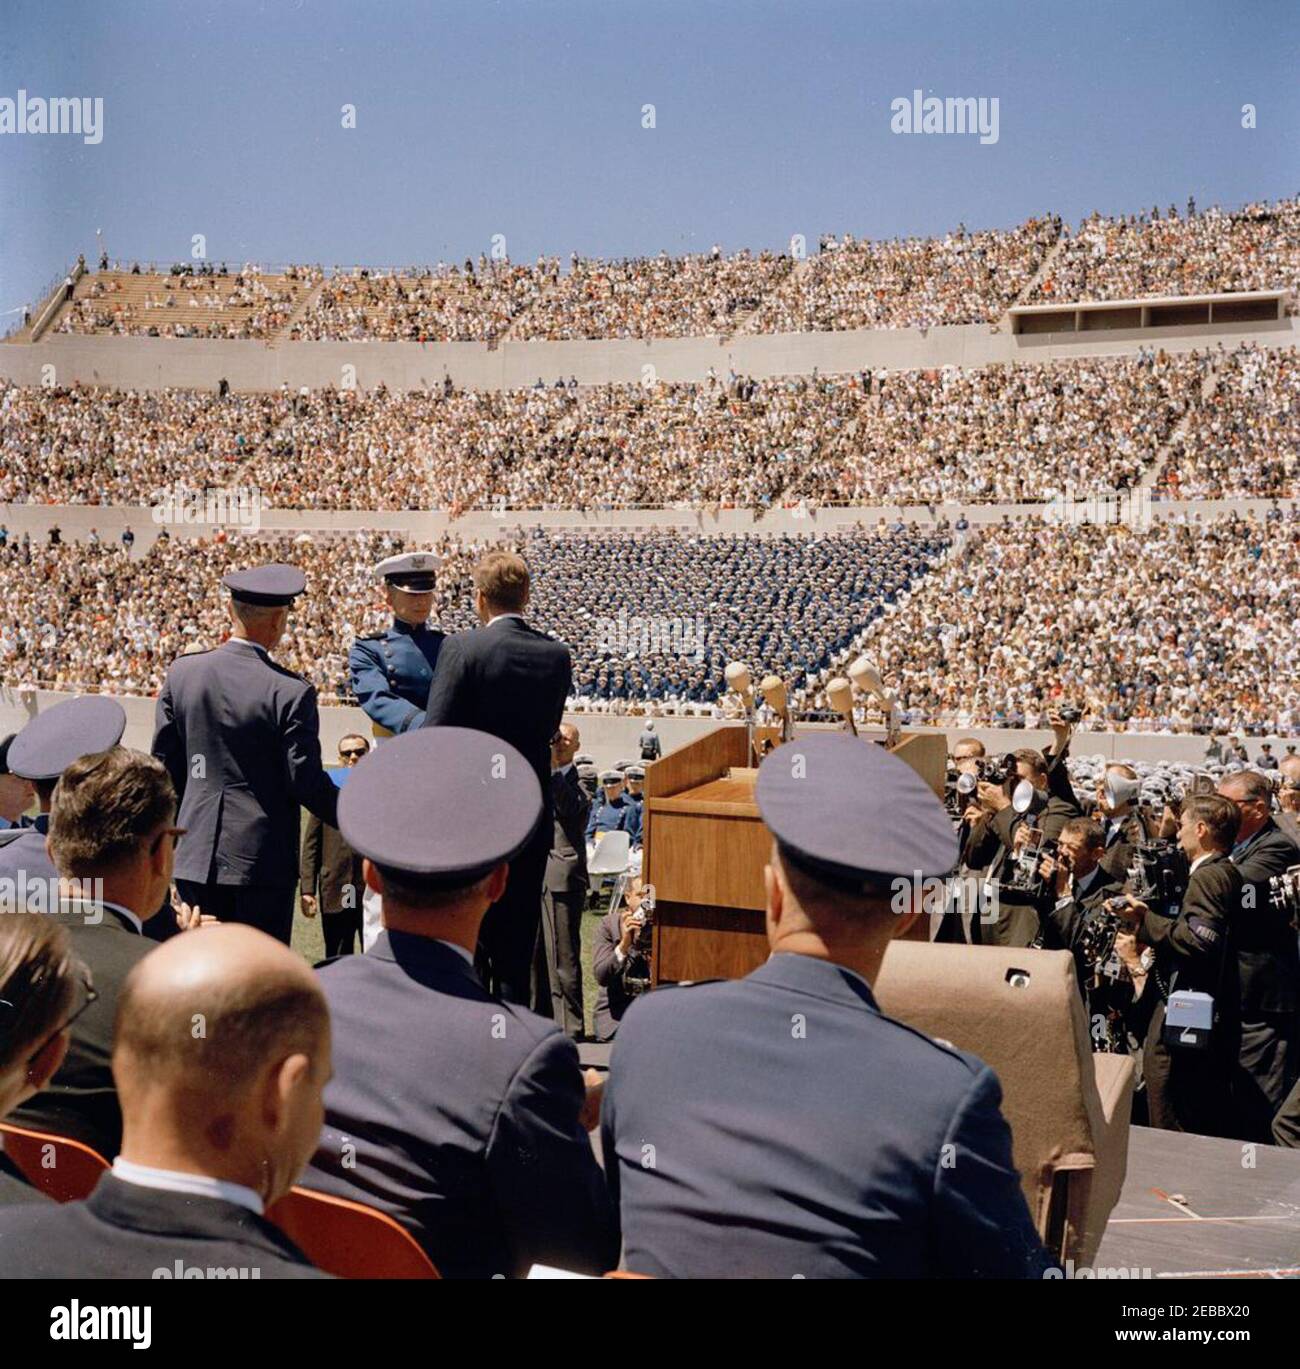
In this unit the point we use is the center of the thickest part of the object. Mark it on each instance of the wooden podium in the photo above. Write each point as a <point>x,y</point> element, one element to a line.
<point>705,848</point>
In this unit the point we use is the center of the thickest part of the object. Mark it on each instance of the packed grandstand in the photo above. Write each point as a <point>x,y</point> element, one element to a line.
<point>1186,616</point>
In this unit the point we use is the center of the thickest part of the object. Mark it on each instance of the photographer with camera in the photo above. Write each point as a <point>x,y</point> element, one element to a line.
<point>621,961</point>
<point>1124,825</point>
<point>959,919</point>
<point>1267,958</point>
<point>1078,920</point>
<point>1193,1032</point>
<point>1030,808</point>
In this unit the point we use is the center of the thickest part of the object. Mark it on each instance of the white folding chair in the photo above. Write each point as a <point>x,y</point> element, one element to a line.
<point>609,861</point>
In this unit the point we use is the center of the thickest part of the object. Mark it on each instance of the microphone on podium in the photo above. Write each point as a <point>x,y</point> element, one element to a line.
<point>777,697</point>
<point>839,694</point>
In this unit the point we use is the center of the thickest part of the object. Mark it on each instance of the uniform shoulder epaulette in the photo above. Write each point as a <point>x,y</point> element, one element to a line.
<point>290,674</point>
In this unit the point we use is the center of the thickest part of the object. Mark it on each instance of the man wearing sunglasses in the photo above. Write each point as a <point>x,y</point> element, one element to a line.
<point>330,871</point>
<point>113,838</point>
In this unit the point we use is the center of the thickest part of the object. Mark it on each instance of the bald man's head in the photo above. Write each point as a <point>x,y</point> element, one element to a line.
<point>221,1051</point>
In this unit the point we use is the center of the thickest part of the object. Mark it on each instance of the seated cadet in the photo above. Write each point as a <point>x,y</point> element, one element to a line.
<point>42,991</point>
<point>454,1112</point>
<point>613,812</point>
<point>112,835</point>
<point>217,1124</point>
<point>38,754</point>
<point>780,1124</point>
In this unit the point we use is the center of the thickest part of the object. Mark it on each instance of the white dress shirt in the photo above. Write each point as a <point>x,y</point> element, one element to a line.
<point>199,1185</point>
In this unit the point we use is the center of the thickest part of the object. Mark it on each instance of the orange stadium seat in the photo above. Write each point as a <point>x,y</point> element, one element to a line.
<point>75,1169</point>
<point>350,1240</point>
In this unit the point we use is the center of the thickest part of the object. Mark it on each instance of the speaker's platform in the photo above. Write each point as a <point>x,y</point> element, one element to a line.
<point>1199,1207</point>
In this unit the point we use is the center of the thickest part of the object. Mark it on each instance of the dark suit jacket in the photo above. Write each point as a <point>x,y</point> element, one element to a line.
<point>566,866</point>
<point>1123,842</point>
<point>81,1100</point>
<point>329,862</point>
<point>461,1115</point>
<point>124,1231</point>
<point>256,729</point>
<point>1267,957</point>
<point>1196,950</point>
<point>613,1000</point>
<point>744,1137</point>
<point>1063,922</point>
<point>14,1187</point>
<point>507,679</point>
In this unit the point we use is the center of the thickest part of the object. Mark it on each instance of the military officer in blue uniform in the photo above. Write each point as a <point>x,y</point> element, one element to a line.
<point>614,812</point>
<point>391,673</point>
<point>240,737</point>
<point>782,1126</point>
<point>40,753</point>
<point>456,1113</point>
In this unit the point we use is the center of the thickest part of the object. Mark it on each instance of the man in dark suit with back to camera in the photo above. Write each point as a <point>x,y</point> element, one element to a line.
<point>113,839</point>
<point>217,1124</point>
<point>457,1114</point>
<point>565,891</point>
<point>240,737</point>
<point>509,680</point>
<point>780,1125</point>
<point>1267,959</point>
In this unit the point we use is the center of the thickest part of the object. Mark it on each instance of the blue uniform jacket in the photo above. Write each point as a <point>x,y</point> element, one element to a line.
<point>458,1115</point>
<point>240,737</point>
<point>780,1125</point>
<point>391,674</point>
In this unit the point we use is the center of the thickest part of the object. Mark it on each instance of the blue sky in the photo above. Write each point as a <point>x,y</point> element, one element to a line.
<point>524,117</point>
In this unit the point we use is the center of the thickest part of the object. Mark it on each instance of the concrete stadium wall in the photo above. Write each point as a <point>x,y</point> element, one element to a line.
<point>609,738</point>
<point>195,363</point>
<point>77,520</point>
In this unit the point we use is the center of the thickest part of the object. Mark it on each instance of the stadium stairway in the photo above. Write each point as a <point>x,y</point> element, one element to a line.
<point>299,311</point>
<point>1004,323</point>
<point>801,269</point>
<point>1162,458</point>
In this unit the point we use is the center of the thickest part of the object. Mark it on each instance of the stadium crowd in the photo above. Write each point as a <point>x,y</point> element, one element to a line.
<point>1244,439</point>
<point>1012,432</point>
<point>188,304</point>
<point>850,282</point>
<point>1210,252</point>
<point>963,277</point>
<point>1182,626</point>
<point>1186,621</point>
<point>690,296</point>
